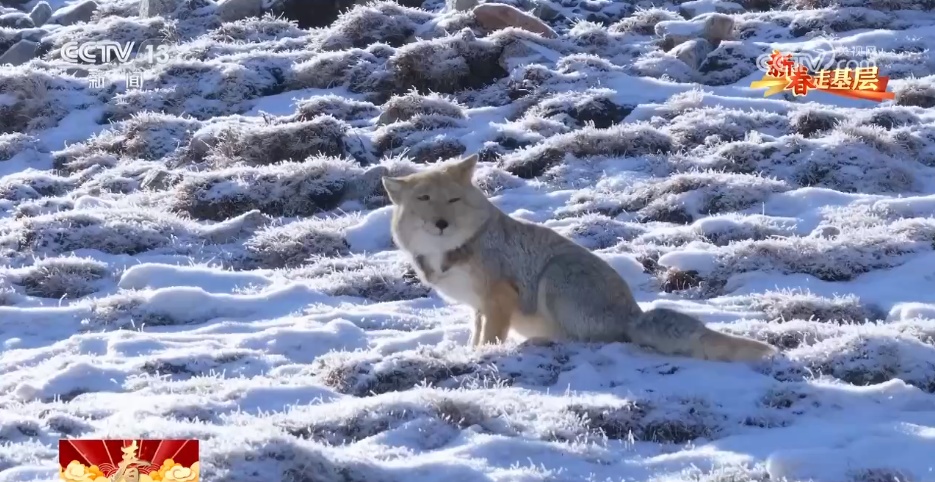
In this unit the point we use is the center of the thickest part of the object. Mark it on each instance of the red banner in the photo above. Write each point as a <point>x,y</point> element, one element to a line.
<point>139,460</point>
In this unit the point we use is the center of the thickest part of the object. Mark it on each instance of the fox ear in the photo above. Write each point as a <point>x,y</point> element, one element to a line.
<point>464,169</point>
<point>394,188</point>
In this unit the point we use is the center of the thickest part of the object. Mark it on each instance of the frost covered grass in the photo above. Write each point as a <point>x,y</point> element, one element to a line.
<point>209,256</point>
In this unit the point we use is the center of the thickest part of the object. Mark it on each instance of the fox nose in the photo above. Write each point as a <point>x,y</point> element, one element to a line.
<point>441,224</point>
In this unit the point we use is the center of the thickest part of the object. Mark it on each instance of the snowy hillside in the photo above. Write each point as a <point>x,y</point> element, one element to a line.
<point>209,256</point>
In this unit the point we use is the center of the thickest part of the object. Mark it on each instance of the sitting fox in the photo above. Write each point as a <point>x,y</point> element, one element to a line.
<point>526,277</point>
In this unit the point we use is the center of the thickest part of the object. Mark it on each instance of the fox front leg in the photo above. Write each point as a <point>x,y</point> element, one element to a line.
<point>496,325</point>
<point>500,305</point>
<point>478,326</point>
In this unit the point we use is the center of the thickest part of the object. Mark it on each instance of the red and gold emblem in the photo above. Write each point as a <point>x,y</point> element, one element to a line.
<point>137,460</point>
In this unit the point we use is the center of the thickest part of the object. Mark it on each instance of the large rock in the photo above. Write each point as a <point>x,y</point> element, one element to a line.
<point>234,10</point>
<point>692,52</point>
<point>41,13</point>
<point>546,10</point>
<point>694,8</point>
<point>461,5</point>
<point>366,185</point>
<point>731,61</point>
<point>496,16</point>
<point>717,27</point>
<point>77,13</point>
<point>78,72</point>
<point>201,143</point>
<point>713,27</point>
<point>16,20</point>
<point>158,8</point>
<point>20,53</point>
<point>517,54</point>
<point>159,180</point>
<point>34,34</point>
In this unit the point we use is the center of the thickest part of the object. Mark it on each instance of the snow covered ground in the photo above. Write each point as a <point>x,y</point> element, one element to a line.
<point>210,256</point>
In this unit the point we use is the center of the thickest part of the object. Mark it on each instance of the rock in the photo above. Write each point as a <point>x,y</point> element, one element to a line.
<point>713,27</point>
<point>461,5</point>
<point>517,54</point>
<point>231,229</point>
<point>41,13</point>
<point>201,144</point>
<point>159,180</point>
<point>234,10</point>
<point>496,16</point>
<point>253,219</point>
<point>13,3</point>
<point>546,10</point>
<point>366,185</point>
<point>157,8</point>
<point>717,28</point>
<point>827,232</point>
<point>77,13</point>
<point>16,20</point>
<point>694,8</point>
<point>34,34</point>
<point>20,53</point>
<point>78,72</point>
<point>731,61</point>
<point>692,52</point>
<point>676,32</point>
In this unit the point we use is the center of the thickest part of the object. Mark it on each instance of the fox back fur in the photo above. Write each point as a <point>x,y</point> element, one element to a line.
<point>526,277</point>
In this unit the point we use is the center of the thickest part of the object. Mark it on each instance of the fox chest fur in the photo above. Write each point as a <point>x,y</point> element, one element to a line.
<point>452,275</point>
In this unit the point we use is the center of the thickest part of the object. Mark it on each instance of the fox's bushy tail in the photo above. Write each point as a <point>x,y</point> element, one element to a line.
<point>673,333</point>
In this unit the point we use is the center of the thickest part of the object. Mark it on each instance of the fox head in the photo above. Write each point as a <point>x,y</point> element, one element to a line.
<point>438,209</point>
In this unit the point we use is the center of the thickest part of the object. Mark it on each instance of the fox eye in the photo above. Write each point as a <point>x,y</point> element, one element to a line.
<point>454,200</point>
<point>424,197</point>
